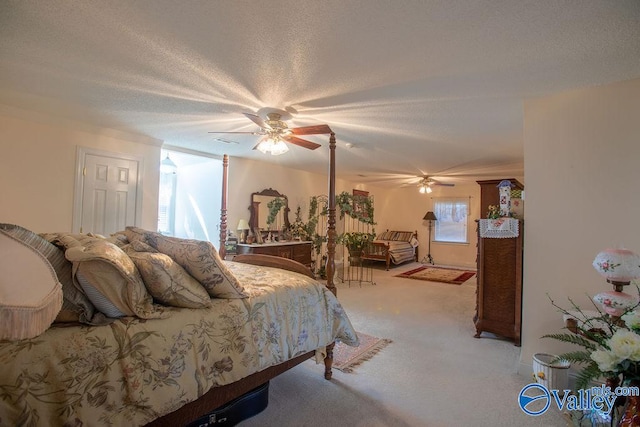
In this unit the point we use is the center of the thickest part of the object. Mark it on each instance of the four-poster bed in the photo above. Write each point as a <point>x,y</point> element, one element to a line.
<point>218,396</point>
<point>153,363</point>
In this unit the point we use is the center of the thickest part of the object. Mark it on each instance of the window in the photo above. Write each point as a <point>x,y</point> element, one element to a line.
<point>190,196</point>
<point>452,215</point>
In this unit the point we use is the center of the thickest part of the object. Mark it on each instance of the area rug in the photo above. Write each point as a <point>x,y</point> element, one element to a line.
<point>346,358</point>
<point>438,274</point>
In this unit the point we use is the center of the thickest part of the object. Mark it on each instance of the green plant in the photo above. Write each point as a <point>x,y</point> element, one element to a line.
<point>299,228</point>
<point>355,240</point>
<point>274,207</point>
<point>357,207</point>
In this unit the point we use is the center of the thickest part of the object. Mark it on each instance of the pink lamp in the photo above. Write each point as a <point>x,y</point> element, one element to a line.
<point>619,267</point>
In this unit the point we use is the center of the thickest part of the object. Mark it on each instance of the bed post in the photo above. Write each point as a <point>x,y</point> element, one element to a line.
<point>331,227</point>
<point>222,250</point>
<point>331,242</point>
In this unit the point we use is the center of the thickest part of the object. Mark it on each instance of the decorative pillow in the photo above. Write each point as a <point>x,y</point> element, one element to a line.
<point>166,281</point>
<point>134,234</point>
<point>76,307</point>
<point>30,294</point>
<point>414,242</point>
<point>198,257</point>
<point>101,302</point>
<point>112,275</point>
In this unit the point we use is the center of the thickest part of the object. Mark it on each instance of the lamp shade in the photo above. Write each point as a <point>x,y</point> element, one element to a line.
<point>430,216</point>
<point>618,265</point>
<point>243,225</point>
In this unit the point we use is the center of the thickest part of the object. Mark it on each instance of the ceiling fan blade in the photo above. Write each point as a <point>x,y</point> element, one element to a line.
<point>311,130</point>
<point>443,184</point>
<point>302,142</point>
<point>257,120</point>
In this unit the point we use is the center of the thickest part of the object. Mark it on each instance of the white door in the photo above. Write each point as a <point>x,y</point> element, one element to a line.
<point>108,192</point>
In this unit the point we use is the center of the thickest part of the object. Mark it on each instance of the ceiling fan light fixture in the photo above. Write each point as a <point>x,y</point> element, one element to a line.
<point>425,188</point>
<point>279,147</point>
<point>273,146</point>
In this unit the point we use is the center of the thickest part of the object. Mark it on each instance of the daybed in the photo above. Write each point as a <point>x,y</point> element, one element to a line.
<point>147,362</point>
<point>393,246</point>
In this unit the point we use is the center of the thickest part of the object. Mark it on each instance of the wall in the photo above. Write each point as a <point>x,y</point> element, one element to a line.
<point>38,163</point>
<point>581,169</point>
<point>395,209</point>
<point>404,208</point>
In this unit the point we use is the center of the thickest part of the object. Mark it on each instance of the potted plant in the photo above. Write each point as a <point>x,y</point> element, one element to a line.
<point>355,241</point>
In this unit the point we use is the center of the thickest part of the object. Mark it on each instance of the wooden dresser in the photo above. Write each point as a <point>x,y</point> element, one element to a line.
<point>499,294</point>
<point>297,251</point>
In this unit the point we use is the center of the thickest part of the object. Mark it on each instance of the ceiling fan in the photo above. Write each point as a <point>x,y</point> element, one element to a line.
<point>426,183</point>
<point>276,132</point>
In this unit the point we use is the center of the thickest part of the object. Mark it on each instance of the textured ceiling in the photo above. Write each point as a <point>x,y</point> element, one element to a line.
<point>414,87</point>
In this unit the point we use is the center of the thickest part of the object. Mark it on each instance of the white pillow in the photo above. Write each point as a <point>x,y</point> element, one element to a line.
<point>30,294</point>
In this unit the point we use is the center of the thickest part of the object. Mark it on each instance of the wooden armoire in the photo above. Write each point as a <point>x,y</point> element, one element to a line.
<point>499,293</point>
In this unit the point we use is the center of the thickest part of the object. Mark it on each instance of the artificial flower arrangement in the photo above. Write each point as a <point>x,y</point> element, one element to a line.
<point>493,212</point>
<point>355,240</point>
<point>611,345</point>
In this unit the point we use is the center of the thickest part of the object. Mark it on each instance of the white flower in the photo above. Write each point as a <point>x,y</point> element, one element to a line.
<point>625,344</point>
<point>632,319</point>
<point>606,360</point>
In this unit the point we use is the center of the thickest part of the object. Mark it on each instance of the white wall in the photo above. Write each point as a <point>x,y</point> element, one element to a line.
<point>582,150</point>
<point>395,209</point>
<point>37,168</point>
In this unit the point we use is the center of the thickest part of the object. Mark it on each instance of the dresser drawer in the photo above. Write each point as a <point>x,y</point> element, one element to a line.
<point>297,251</point>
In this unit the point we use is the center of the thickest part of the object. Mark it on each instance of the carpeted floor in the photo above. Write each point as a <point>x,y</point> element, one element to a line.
<point>346,358</point>
<point>438,274</point>
<point>434,374</point>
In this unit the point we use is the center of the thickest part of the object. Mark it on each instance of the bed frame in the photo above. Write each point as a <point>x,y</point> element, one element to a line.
<point>379,251</point>
<point>218,396</point>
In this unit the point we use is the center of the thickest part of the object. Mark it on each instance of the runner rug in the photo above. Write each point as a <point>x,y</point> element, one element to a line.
<point>346,358</point>
<point>438,274</point>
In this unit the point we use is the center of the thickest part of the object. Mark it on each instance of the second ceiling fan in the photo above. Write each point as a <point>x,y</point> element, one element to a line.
<point>426,183</point>
<point>276,133</point>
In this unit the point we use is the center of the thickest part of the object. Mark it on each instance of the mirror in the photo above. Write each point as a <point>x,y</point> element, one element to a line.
<point>259,211</point>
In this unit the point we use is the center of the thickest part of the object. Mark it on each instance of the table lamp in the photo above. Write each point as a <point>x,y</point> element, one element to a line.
<point>242,226</point>
<point>619,267</point>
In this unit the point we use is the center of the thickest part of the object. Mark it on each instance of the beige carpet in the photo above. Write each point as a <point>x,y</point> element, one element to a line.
<point>438,274</point>
<point>346,358</point>
<point>434,374</point>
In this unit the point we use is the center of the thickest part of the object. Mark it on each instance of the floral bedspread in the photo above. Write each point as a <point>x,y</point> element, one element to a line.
<point>133,370</point>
